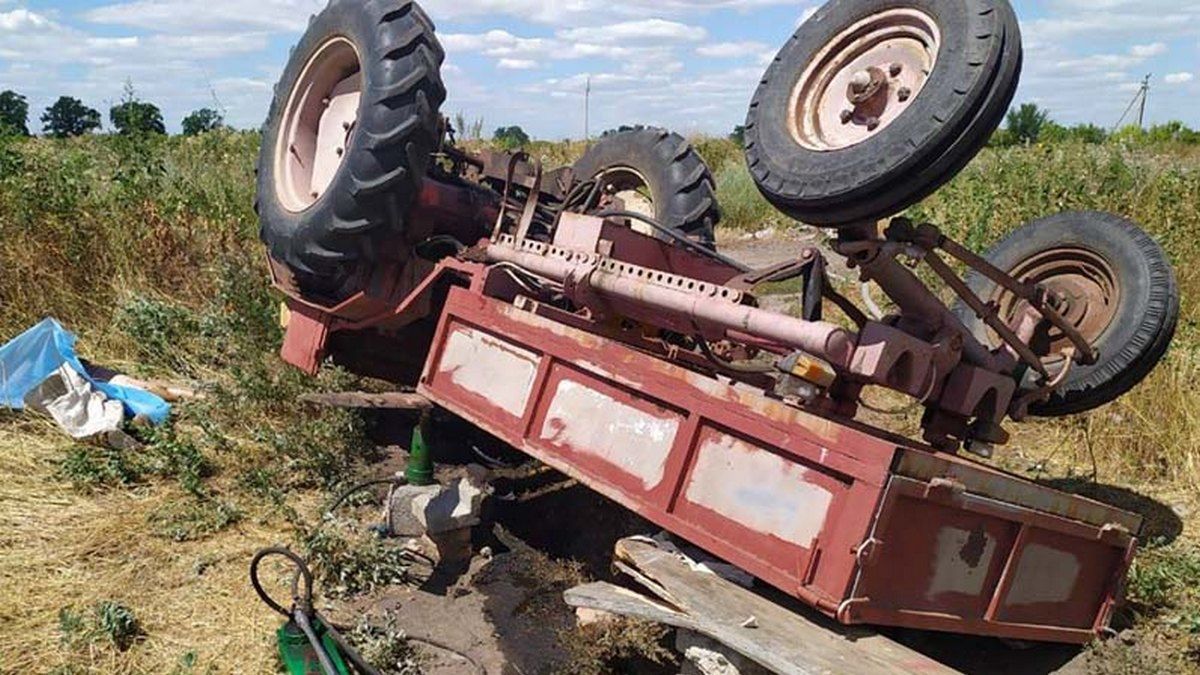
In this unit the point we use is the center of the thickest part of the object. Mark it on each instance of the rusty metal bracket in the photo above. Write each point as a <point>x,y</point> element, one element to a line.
<point>531,201</point>
<point>1020,407</point>
<point>930,237</point>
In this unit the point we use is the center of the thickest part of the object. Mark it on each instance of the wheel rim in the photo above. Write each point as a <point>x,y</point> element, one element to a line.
<point>1083,287</point>
<point>632,188</point>
<point>861,81</point>
<point>321,114</point>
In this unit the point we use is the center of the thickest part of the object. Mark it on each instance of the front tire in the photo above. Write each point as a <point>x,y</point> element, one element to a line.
<point>1121,295</point>
<point>874,104</point>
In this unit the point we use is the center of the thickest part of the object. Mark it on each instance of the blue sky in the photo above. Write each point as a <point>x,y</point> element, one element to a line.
<point>690,65</point>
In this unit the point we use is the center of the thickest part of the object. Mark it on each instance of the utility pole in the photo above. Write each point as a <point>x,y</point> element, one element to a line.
<point>1142,110</point>
<point>587,111</point>
<point>1140,97</point>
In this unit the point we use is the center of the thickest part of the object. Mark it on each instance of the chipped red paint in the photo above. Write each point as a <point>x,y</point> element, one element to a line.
<point>887,532</point>
<point>949,545</point>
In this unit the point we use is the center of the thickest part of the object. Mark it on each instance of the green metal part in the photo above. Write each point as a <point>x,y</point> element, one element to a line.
<point>298,654</point>
<point>419,470</point>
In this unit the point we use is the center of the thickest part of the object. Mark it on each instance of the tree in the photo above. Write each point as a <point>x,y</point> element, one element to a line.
<point>202,121</point>
<point>1025,124</point>
<point>511,138</point>
<point>133,116</point>
<point>1089,133</point>
<point>14,113</point>
<point>622,129</point>
<point>738,135</point>
<point>69,117</point>
<point>1173,132</point>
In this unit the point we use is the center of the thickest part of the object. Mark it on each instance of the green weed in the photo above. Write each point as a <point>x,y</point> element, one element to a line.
<point>105,622</point>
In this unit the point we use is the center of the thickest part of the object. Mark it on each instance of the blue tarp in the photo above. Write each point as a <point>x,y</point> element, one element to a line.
<point>34,355</point>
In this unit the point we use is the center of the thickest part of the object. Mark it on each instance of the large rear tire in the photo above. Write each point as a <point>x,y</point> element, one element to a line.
<point>1120,293</point>
<point>349,137</point>
<point>663,172</point>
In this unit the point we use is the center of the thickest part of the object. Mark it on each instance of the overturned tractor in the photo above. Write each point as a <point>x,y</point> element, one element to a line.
<point>584,315</point>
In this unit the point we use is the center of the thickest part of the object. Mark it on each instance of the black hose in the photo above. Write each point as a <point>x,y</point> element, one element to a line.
<point>696,246</point>
<point>397,481</point>
<point>351,653</point>
<point>302,571</point>
<point>302,613</point>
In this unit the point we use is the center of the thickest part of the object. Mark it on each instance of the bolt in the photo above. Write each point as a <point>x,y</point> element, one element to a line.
<point>860,80</point>
<point>872,123</point>
<point>895,69</point>
<point>847,115</point>
<point>904,94</point>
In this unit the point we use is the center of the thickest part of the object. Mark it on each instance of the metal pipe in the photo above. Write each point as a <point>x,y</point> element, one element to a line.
<point>915,299</point>
<point>581,274</point>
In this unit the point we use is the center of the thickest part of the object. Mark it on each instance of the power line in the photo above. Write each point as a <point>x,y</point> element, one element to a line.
<point>1141,96</point>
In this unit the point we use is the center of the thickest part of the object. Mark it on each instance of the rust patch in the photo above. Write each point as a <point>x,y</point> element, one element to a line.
<point>972,551</point>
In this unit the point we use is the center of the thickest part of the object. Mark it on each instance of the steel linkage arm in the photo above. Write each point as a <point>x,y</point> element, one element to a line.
<point>929,238</point>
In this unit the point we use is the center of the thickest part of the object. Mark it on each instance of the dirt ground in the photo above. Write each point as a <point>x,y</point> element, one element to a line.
<point>544,533</point>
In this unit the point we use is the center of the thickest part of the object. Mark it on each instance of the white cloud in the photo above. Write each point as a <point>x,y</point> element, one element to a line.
<point>1147,51</point>
<point>731,50</point>
<point>292,14</point>
<point>648,29</point>
<point>1179,78</point>
<point>517,64</point>
<point>22,19</point>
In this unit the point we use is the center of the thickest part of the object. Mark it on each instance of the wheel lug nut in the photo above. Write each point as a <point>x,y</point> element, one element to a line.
<point>847,115</point>
<point>904,94</point>
<point>895,69</point>
<point>872,123</point>
<point>341,151</point>
<point>860,80</point>
<point>345,126</point>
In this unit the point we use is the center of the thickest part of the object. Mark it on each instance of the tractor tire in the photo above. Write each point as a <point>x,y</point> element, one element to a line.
<point>1122,296</point>
<point>330,226</point>
<point>837,163</point>
<point>681,186</point>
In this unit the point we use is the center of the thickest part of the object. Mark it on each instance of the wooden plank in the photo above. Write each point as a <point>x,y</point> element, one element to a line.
<point>362,400</point>
<point>778,638</point>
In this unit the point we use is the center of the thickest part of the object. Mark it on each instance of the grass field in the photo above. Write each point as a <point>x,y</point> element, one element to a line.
<point>117,562</point>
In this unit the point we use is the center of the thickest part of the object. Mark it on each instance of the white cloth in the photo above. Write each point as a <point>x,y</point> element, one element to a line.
<point>75,404</point>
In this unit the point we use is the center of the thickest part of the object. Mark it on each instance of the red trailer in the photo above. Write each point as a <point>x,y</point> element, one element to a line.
<point>865,526</point>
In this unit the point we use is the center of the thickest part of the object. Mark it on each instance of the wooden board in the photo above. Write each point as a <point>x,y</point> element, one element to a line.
<point>778,638</point>
<point>362,400</point>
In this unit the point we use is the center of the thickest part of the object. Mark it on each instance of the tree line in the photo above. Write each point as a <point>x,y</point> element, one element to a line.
<point>68,117</point>
<point>1028,124</point>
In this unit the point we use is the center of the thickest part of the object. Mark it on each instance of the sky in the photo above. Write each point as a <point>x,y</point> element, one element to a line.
<point>689,65</point>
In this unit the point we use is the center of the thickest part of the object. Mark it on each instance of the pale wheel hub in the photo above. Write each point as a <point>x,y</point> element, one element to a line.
<point>1083,287</point>
<point>863,80</point>
<point>320,118</point>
